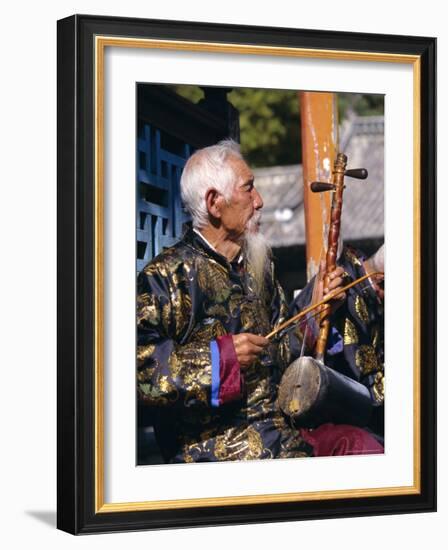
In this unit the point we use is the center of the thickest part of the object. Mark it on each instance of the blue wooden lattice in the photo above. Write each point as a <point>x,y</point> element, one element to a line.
<point>160,216</point>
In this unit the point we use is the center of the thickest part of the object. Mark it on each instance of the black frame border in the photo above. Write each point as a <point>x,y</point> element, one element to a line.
<point>76,263</point>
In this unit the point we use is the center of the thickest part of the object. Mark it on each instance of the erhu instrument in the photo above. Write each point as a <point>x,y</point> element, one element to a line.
<point>311,393</point>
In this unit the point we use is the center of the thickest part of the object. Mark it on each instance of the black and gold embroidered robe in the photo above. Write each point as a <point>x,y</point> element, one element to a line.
<point>187,297</point>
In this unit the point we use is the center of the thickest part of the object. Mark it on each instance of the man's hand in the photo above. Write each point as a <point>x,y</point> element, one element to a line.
<point>247,347</point>
<point>336,281</point>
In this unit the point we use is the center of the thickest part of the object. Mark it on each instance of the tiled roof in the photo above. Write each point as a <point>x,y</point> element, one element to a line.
<point>363,210</point>
<point>282,218</point>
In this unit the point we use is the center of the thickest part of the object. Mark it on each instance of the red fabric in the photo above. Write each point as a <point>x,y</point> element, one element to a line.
<point>341,439</point>
<point>311,334</point>
<point>229,370</point>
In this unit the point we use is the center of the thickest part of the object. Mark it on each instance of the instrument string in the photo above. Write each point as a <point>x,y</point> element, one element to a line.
<point>308,318</point>
<point>328,297</point>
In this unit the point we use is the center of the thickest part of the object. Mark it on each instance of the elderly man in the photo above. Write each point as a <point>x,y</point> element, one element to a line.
<point>204,306</point>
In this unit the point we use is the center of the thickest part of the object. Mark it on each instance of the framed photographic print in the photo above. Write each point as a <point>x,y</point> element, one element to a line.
<point>176,402</point>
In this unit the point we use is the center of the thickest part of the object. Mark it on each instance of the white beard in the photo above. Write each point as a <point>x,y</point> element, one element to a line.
<point>257,250</point>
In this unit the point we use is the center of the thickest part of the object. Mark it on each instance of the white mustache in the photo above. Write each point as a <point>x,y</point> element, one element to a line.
<point>254,222</point>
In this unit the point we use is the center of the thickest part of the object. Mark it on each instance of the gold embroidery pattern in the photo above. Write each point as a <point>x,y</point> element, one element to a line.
<point>148,309</point>
<point>350,333</point>
<point>361,309</point>
<point>201,377</point>
<point>181,309</point>
<point>375,337</point>
<point>258,389</point>
<point>214,282</point>
<point>352,257</point>
<point>175,365</point>
<point>279,423</point>
<point>143,353</point>
<point>292,445</point>
<point>239,444</point>
<point>248,318</point>
<point>194,450</point>
<point>144,375</point>
<point>155,269</point>
<point>216,310</point>
<point>165,386</point>
<point>166,316</point>
<point>378,387</point>
<point>234,304</point>
<point>195,380</point>
<point>222,448</point>
<point>283,357</point>
<point>196,394</point>
<point>208,331</point>
<point>255,443</point>
<point>187,456</point>
<point>366,359</point>
<point>178,279</point>
<point>161,393</point>
<point>284,313</point>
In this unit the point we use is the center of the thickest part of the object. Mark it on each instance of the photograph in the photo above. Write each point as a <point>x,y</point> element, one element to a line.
<point>230,199</point>
<point>232,242</point>
<point>201,205</point>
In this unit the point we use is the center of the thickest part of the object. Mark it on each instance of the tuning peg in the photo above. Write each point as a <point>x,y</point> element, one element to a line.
<point>358,173</point>
<point>319,186</point>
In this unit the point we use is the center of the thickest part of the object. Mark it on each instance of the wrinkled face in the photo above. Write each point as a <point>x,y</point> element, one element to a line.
<point>244,204</point>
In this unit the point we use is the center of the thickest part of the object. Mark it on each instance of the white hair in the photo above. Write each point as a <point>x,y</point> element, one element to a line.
<point>208,169</point>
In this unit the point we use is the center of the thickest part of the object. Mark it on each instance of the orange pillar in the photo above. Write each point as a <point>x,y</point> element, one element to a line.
<point>319,122</point>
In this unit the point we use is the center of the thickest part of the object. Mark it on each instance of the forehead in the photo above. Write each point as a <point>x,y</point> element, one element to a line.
<point>242,170</point>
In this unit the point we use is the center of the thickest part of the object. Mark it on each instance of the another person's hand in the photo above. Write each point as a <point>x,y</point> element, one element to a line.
<point>373,264</point>
<point>248,346</point>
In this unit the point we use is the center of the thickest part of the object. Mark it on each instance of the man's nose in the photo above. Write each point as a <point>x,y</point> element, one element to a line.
<point>258,201</point>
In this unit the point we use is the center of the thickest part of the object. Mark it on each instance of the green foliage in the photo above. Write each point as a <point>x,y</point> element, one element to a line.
<point>269,124</point>
<point>270,120</point>
<point>192,93</point>
<point>360,104</point>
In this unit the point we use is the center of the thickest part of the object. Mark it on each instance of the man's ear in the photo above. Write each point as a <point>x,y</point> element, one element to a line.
<point>213,202</point>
